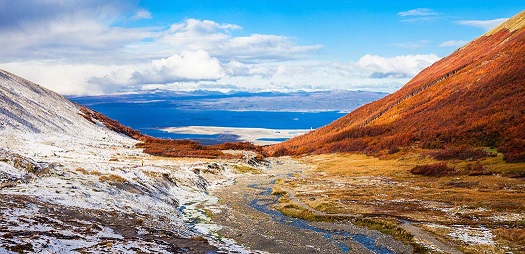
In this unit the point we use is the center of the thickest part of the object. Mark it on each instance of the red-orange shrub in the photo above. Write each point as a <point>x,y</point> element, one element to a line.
<point>461,153</point>
<point>437,170</point>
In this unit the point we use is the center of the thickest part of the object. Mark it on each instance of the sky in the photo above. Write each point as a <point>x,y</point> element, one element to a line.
<point>90,47</point>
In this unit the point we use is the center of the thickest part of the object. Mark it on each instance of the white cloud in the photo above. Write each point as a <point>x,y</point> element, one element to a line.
<point>399,66</point>
<point>64,78</point>
<point>188,66</point>
<point>236,68</point>
<point>187,53</point>
<point>194,70</point>
<point>483,24</point>
<point>142,14</point>
<point>66,30</point>
<point>453,43</point>
<point>217,39</point>
<point>411,44</point>
<point>417,12</point>
<point>267,47</point>
<point>418,15</point>
<point>201,26</point>
<point>13,14</point>
<point>371,72</point>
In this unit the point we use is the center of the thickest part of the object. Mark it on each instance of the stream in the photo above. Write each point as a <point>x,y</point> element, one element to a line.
<point>246,216</point>
<point>336,237</point>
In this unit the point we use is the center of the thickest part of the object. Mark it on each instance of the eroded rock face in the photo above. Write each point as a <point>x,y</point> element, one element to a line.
<point>19,169</point>
<point>24,163</point>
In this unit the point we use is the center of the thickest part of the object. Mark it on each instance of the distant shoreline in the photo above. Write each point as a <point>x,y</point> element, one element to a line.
<point>257,136</point>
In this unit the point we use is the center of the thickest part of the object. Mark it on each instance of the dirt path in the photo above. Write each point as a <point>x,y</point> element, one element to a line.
<point>247,219</point>
<point>429,239</point>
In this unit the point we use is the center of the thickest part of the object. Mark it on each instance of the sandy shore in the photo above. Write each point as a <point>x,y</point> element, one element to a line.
<point>252,135</point>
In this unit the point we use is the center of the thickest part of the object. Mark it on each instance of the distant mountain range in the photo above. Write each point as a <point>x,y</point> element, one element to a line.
<point>475,96</point>
<point>300,101</point>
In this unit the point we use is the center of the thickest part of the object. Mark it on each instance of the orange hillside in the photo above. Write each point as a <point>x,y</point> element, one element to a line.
<point>475,96</point>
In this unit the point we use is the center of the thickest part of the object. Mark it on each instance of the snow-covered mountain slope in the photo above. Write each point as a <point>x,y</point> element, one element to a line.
<point>68,185</point>
<point>27,108</point>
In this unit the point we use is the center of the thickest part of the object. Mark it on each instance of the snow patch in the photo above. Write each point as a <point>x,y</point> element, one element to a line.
<point>472,235</point>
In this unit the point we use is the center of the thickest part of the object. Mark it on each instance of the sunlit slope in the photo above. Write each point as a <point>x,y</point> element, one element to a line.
<point>473,96</point>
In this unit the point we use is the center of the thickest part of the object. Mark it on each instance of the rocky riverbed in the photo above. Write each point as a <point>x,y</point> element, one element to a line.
<point>247,216</point>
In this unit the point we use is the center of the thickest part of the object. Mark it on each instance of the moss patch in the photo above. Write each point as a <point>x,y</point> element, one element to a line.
<point>243,169</point>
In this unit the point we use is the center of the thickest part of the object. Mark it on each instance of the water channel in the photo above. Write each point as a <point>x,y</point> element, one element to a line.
<point>337,237</point>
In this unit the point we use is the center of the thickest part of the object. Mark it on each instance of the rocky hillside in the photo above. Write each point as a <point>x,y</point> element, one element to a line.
<point>69,184</point>
<point>472,97</point>
<point>27,109</point>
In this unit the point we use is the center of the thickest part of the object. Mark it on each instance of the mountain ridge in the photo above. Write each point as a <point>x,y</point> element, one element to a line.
<point>514,23</point>
<point>27,108</point>
<point>469,97</point>
<point>299,101</point>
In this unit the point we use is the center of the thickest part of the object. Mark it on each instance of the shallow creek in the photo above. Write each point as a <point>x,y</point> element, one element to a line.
<point>337,237</point>
<point>248,218</point>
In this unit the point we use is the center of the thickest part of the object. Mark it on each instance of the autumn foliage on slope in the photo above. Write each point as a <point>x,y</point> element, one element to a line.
<point>190,148</point>
<point>168,147</point>
<point>475,96</point>
<point>111,124</point>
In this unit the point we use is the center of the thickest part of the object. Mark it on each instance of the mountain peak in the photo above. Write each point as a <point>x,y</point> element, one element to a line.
<point>517,22</point>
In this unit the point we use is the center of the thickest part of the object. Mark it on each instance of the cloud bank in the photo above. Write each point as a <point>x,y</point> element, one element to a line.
<point>89,47</point>
<point>483,24</point>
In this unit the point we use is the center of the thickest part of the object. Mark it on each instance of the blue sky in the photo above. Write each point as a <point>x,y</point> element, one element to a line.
<point>108,46</point>
<point>346,29</point>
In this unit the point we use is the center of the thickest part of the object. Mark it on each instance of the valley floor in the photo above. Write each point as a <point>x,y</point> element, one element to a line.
<point>105,195</point>
<point>449,214</point>
<point>247,216</point>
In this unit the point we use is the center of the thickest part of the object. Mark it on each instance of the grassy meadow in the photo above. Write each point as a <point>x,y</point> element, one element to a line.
<point>478,206</point>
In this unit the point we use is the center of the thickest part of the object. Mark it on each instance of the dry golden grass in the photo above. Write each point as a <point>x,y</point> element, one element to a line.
<point>112,178</point>
<point>514,237</point>
<point>82,170</point>
<point>515,23</point>
<point>95,173</point>
<point>178,159</point>
<point>243,169</point>
<point>385,186</point>
<point>373,187</point>
<point>289,208</point>
<point>278,191</point>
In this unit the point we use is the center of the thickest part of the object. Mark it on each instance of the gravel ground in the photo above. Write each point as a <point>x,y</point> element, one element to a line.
<point>264,233</point>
